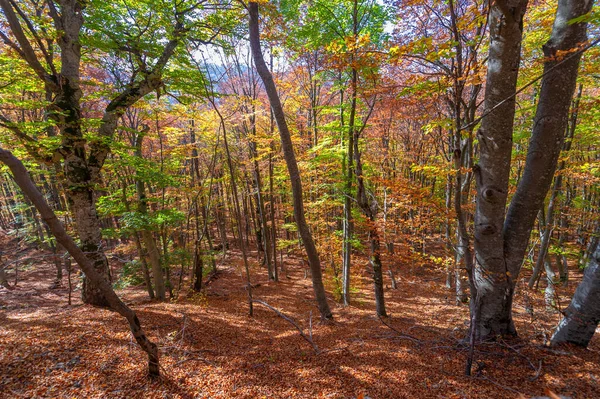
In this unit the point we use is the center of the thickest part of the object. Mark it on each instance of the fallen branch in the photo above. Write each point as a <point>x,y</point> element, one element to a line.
<point>506,345</point>
<point>537,373</point>
<point>484,378</point>
<point>196,358</point>
<point>307,338</point>
<point>400,334</point>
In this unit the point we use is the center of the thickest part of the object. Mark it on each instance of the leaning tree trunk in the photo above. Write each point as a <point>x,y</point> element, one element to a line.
<point>100,281</point>
<point>290,159</point>
<point>583,314</point>
<point>563,54</point>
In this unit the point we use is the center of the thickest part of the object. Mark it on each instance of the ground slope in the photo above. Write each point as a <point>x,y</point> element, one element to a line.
<point>210,348</point>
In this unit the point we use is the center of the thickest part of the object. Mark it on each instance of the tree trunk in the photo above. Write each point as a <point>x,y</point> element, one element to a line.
<point>147,237</point>
<point>348,172</point>
<point>290,159</point>
<point>550,125</point>
<point>583,314</point>
<point>501,243</point>
<point>198,268</point>
<point>492,282</point>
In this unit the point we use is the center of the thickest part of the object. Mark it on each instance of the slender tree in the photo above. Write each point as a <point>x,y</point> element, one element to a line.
<point>290,160</point>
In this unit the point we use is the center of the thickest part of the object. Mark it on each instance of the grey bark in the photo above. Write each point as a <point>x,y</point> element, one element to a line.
<point>556,189</point>
<point>501,243</point>
<point>550,125</point>
<point>290,159</point>
<point>583,314</point>
<point>492,283</point>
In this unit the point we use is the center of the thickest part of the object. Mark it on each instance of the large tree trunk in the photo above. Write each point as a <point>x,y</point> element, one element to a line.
<point>290,159</point>
<point>23,180</point>
<point>492,283</point>
<point>66,111</point>
<point>583,314</point>
<point>501,243</point>
<point>550,124</point>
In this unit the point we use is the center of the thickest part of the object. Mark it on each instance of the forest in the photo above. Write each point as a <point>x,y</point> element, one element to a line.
<point>299,199</point>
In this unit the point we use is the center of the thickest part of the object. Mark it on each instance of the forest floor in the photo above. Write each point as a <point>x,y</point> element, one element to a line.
<point>211,348</point>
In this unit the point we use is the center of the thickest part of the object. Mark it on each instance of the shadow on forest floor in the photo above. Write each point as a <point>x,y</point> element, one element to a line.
<point>210,348</point>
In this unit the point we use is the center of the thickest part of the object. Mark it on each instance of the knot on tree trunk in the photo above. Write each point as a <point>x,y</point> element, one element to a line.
<point>491,194</point>
<point>487,229</point>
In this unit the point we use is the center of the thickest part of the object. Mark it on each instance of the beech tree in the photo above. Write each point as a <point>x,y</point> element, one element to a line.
<point>501,237</point>
<point>82,160</point>
<point>290,160</point>
<point>58,67</point>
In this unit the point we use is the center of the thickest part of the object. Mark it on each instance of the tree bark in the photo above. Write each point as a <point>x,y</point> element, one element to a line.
<point>501,243</point>
<point>492,282</point>
<point>583,314</point>
<point>290,159</point>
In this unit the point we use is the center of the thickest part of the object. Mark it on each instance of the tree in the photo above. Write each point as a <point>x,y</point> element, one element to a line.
<point>501,241</point>
<point>583,314</point>
<point>290,159</point>
<point>100,281</point>
<point>83,160</point>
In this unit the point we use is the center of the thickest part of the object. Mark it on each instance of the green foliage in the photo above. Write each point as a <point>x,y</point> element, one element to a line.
<point>140,221</point>
<point>131,275</point>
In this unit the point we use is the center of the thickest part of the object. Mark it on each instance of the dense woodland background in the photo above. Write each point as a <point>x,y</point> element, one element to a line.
<point>299,198</point>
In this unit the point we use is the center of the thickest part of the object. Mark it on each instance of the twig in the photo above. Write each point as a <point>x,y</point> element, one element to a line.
<point>503,343</point>
<point>484,378</point>
<point>537,373</point>
<point>400,334</point>
<point>292,322</point>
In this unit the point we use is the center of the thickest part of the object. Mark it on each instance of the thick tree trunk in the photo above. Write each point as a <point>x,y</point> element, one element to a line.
<point>550,125</point>
<point>88,267</point>
<point>290,159</point>
<point>501,243</point>
<point>492,282</point>
<point>583,314</point>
